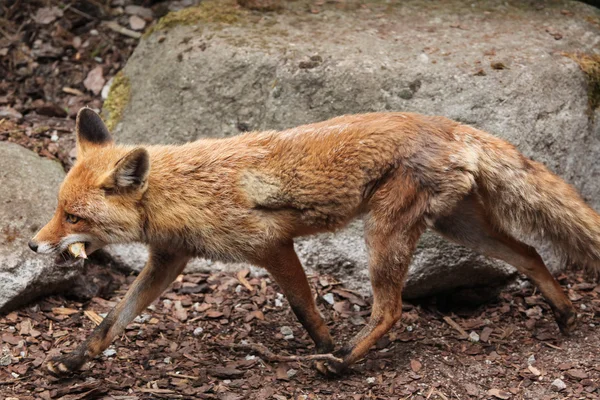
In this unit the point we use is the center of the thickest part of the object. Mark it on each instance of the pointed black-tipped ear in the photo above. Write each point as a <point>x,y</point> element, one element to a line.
<point>130,172</point>
<point>90,130</point>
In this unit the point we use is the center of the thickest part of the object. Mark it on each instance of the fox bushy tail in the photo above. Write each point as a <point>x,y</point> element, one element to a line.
<point>524,196</point>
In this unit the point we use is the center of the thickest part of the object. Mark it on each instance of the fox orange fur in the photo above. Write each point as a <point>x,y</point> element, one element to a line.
<point>246,198</point>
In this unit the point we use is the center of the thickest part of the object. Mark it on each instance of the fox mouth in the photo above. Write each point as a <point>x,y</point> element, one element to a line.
<point>66,259</point>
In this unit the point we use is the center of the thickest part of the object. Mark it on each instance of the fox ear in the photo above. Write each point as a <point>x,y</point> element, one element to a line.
<point>90,130</point>
<point>130,172</point>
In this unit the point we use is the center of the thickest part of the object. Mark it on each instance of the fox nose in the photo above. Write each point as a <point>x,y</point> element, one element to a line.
<point>33,245</point>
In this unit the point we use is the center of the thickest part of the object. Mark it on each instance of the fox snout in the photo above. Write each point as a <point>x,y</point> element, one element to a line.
<point>40,247</point>
<point>33,245</point>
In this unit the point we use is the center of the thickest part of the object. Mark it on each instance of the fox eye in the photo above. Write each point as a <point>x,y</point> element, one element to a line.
<point>72,219</point>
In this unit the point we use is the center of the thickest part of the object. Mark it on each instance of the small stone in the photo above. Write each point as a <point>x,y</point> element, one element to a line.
<point>329,298</point>
<point>143,12</point>
<point>558,385</point>
<point>140,319</point>
<point>5,357</point>
<point>286,331</point>
<point>531,359</point>
<point>371,380</point>
<point>136,23</point>
<point>109,352</point>
<point>198,331</point>
<point>291,372</point>
<point>474,337</point>
<point>424,58</point>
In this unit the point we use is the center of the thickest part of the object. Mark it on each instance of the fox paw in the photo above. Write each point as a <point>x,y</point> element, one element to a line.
<point>330,368</point>
<point>567,322</point>
<point>64,365</point>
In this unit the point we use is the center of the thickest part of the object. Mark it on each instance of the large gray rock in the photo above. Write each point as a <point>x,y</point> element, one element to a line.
<point>27,201</point>
<point>493,65</point>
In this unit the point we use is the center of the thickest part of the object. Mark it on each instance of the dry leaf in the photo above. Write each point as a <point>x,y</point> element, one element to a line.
<point>500,394</point>
<point>46,15</point>
<point>180,312</point>
<point>415,365</point>
<point>95,81</point>
<point>534,370</point>
<point>241,275</point>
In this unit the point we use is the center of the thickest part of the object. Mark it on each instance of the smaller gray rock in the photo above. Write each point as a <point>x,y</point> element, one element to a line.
<point>474,337</point>
<point>286,331</point>
<point>558,385</point>
<point>329,298</point>
<point>110,352</point>
<point>27,202</point>
<point>198,331</point>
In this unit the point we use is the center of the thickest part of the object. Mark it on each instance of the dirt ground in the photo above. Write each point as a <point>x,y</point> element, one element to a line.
<point>56,56</point>
<point>180,347</point>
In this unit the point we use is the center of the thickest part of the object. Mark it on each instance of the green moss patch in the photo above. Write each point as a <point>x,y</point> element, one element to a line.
<point>226,12</point>
<point>590,65</point>
<point>118,98</point>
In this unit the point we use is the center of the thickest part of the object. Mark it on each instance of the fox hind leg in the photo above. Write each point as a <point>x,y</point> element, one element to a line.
<point>470,226</point>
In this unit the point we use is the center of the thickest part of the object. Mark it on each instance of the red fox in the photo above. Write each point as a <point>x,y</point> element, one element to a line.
<point>246,198</point>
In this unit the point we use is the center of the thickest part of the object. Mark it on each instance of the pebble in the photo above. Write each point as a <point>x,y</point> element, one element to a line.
<point>109,352</point>
<point>371,380</point>
<point>286,330</point>
<point>198,331</point>
<point>329,298</point>
<point>558,385</point>
<point>291,372</point>
<point>140,319</point>
<point>531,359</point>
<point>474,337</point>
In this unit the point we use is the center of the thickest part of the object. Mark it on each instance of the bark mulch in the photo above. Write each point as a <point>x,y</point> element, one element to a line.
<point>186,346</point>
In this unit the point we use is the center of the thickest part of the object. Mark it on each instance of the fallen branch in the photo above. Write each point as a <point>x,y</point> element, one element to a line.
<point>456,326</point>
<point>114,26</point>
<point>268,355</point>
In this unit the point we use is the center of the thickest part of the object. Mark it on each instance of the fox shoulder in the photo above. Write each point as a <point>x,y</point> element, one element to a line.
<point>262,190</point>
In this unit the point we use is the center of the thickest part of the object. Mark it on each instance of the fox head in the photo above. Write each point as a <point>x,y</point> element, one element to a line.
<point>99,202</point>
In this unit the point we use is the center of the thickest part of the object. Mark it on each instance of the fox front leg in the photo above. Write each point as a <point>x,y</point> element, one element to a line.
<point>161,269</point>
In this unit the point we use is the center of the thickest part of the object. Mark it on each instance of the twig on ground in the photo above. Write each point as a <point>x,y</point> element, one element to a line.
<point>456,326</point>
<point>268,355</point>
<point>114,26</point>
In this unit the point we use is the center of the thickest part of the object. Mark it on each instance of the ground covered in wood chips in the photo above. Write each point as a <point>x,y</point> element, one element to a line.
<point>180,346</point>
